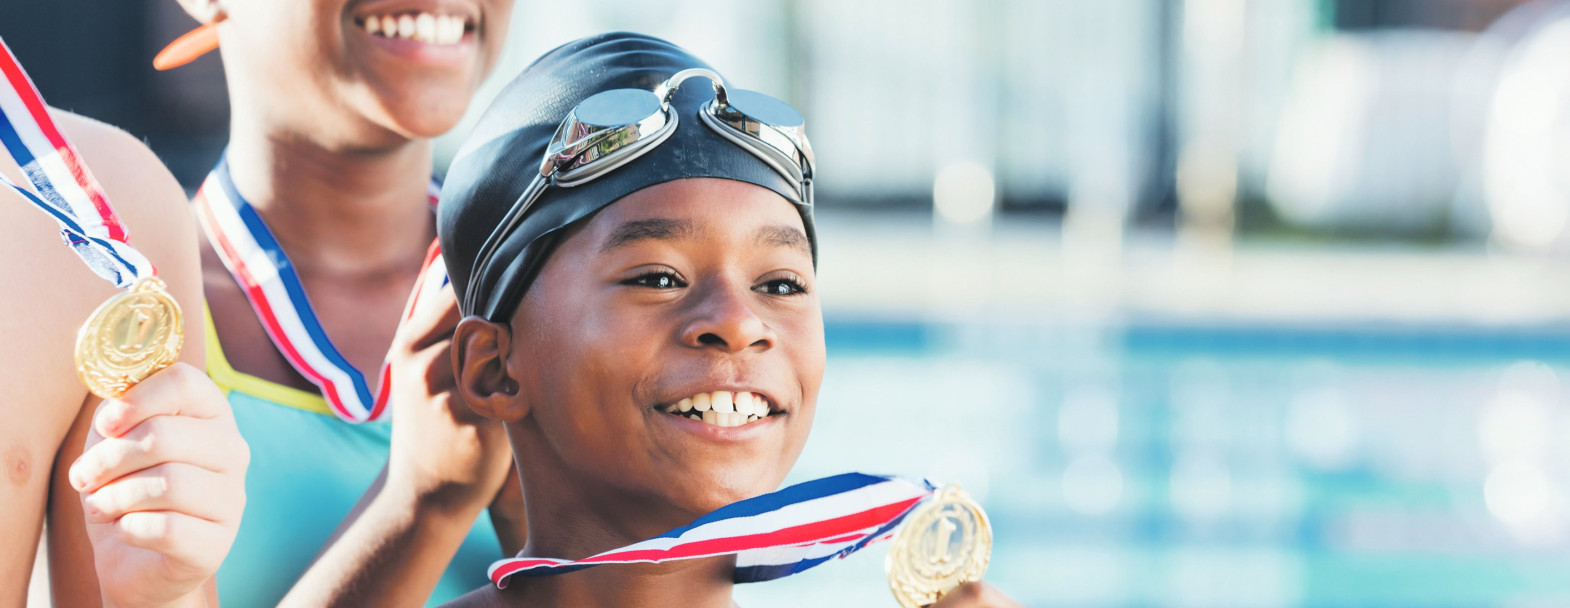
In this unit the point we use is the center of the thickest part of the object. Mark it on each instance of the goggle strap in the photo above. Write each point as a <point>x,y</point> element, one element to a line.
<point>508,224</point>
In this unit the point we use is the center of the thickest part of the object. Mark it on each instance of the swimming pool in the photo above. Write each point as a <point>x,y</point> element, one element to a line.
<point>1181,464</point>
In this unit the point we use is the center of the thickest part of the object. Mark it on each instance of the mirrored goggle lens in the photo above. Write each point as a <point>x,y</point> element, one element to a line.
<point>764,109</point>
<point>602,125</point>
<point>771,128</point>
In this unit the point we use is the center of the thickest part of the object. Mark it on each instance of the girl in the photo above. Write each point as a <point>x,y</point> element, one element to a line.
<point>319,217</point>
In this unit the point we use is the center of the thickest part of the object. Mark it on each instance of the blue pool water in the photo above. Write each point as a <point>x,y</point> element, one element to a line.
<point>1179,464</point>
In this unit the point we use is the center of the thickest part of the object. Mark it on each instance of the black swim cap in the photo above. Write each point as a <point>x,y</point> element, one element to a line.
<point>503,153</point>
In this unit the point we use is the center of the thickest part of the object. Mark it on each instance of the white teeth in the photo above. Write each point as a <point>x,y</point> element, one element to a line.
<point>723,402</point>
<point>425,27</point>
<point>449,29</point>
<point>722,408</point>
<point>429,28</point>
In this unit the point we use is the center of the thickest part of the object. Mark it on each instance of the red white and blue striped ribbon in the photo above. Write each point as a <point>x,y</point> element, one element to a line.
<point>772,536</point>
<point>264,272</point>
<point>62,185</point>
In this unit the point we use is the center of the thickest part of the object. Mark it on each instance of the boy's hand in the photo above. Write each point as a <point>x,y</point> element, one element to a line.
<point>162,483</point>
<point>978,594</point>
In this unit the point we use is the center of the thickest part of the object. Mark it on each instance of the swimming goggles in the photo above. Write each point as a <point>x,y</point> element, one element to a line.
<point>612,128</point>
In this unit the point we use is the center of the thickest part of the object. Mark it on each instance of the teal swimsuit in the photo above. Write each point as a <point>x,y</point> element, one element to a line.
<point>308,469</point>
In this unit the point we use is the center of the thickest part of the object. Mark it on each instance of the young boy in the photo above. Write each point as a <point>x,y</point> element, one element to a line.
<point>641,309</point>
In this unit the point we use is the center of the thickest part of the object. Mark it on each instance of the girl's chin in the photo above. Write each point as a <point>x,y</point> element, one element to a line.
<point>422,127</point>
<point>414,116</point>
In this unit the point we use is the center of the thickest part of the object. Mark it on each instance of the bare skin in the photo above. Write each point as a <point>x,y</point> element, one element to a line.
<point>685,287</point>
<point>161,469</point>
<point>329,142</point>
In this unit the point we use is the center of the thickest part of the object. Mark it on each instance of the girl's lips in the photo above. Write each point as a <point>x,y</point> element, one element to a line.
<point>469,11</point>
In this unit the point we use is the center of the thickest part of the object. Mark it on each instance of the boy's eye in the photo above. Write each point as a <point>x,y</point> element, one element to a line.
<point>782,287</point>
<point>656,280</point>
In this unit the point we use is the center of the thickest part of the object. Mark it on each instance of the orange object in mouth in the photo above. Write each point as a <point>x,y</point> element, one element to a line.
<point>187,48</point>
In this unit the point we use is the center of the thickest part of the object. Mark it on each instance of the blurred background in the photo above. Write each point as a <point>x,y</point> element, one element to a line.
<point>1210,302</point>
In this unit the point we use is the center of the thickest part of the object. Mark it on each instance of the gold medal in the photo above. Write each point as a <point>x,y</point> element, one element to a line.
<point>130,337</point>
<point>945,542</point>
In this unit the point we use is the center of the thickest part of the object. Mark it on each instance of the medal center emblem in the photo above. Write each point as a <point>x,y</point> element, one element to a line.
<point>136,331</point>
<point>941,542</point>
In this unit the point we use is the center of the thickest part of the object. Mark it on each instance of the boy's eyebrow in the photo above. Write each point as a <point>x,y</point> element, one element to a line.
<point>782,236</point>
<point>665,229</point>
<point>655,228</point>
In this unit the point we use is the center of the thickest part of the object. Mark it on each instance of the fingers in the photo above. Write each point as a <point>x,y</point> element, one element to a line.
<point>179,390</point>
<point>192,546</point>
<point>211,444</point>
<point>176,487</point>
<point>432,320</point>
<point>978,594</point>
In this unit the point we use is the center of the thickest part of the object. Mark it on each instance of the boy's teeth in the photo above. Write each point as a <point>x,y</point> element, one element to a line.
<point>722,402</point>
<point>721,408</point>
<point>429,28</point>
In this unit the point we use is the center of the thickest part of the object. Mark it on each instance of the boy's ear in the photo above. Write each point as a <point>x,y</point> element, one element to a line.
<point>480,349</point>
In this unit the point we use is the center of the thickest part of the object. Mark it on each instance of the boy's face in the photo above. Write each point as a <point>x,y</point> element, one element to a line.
<point>681,289</point>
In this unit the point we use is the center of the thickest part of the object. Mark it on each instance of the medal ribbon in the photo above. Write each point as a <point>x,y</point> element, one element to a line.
<point>62,185</point>
<point>272,286</point>
<point>772,536</point>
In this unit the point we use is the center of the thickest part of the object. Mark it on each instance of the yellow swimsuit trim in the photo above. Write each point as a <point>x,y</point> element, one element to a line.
<point>229,379</point>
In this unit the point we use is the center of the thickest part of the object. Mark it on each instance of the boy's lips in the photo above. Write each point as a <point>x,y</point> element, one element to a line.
<point>725,434</point>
